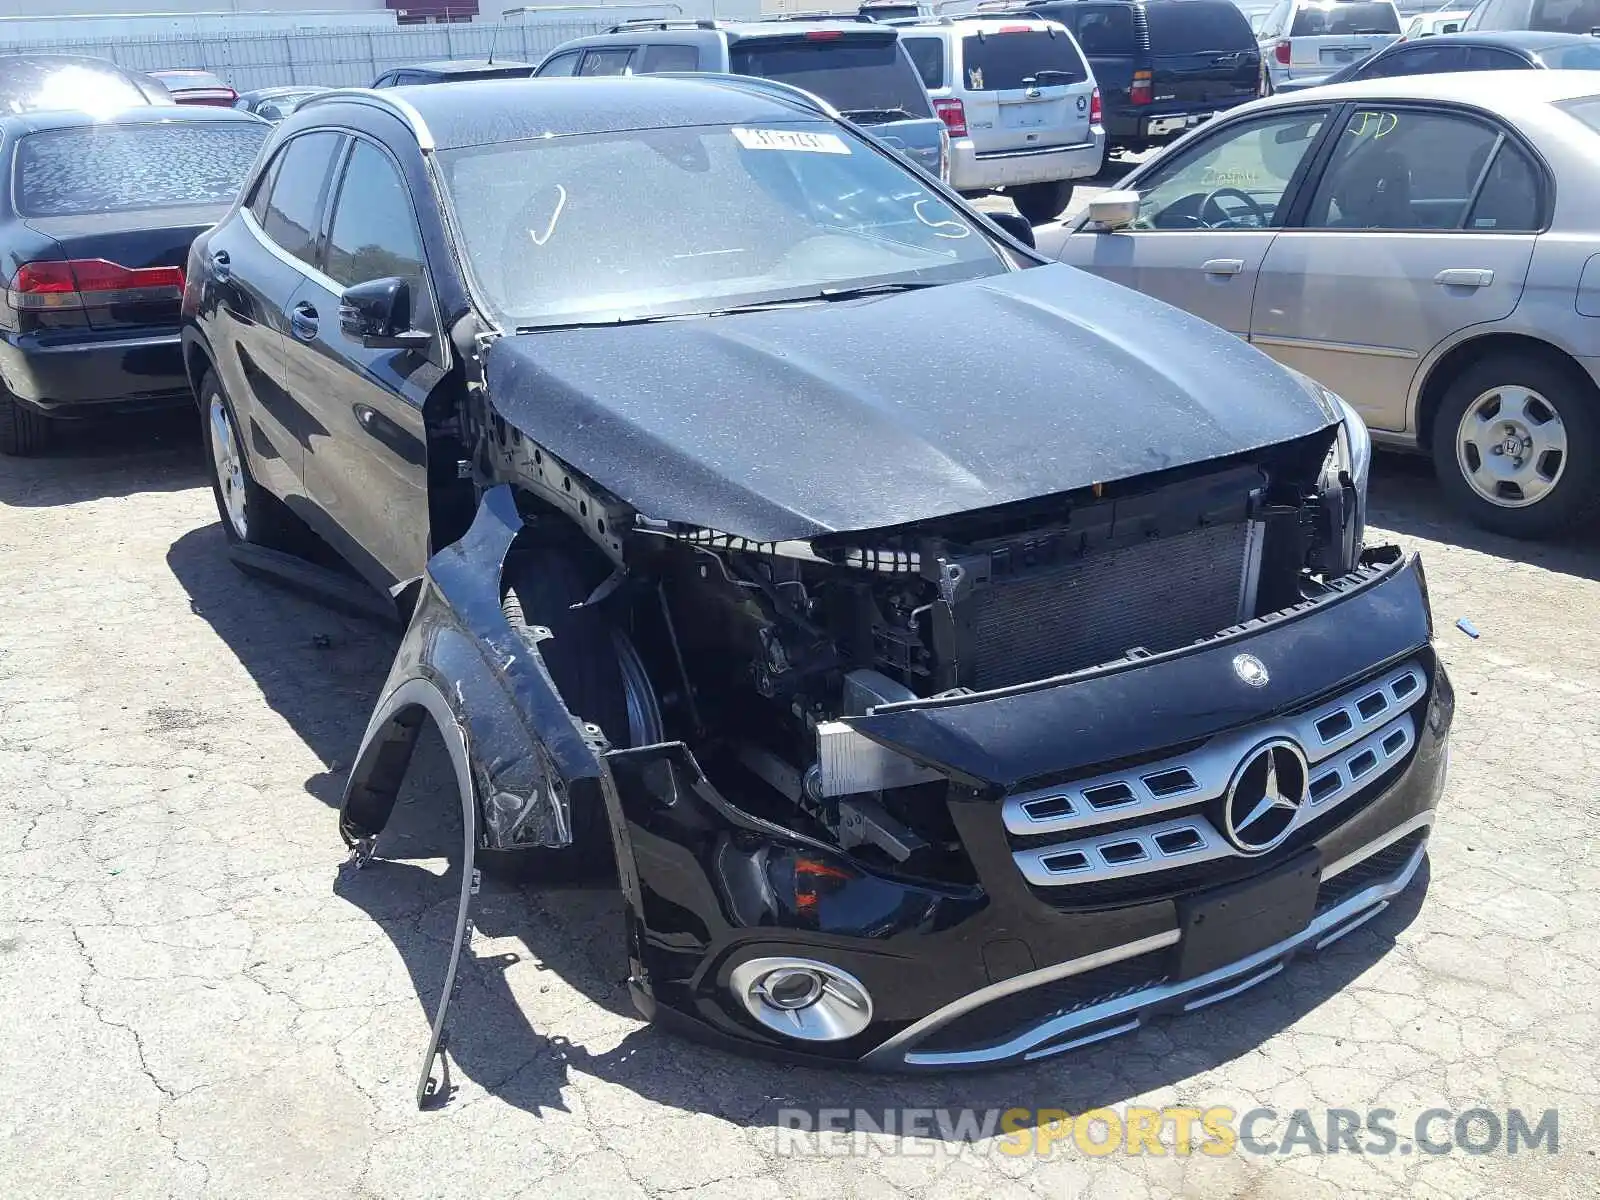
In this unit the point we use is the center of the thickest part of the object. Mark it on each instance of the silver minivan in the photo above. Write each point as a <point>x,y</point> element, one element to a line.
<point>1020,103</point>
<point>1302,39</point>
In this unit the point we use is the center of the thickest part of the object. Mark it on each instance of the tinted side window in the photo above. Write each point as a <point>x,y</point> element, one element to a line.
<point>1107,29</point>
<point>1402,169</point>
<point>669,58</point>
<point>858,75</point>
<point>1196,26</point>
<point>1418,60</point>
<point>1508,196</point>
<point>1487,58</point>
<point>263,192</point>
<point>1272,25</point>
<point>927,55</point>
<point>606,62</point>
<point>561,64</point>
<point>1565,16</point>
<point>374,231</point>
<point>294,209</point>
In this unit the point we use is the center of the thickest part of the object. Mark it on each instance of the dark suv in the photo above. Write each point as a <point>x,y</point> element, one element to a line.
<point>859,68</point>
<point>457,70</point>
<point>1163,66</point>
<point>935,708</point>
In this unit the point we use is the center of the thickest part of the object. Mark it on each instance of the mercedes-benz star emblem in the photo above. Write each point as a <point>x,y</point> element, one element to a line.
<point>1264,799</point>
<point>1251,670</point>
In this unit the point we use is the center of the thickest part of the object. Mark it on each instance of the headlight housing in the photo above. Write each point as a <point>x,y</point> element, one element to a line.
<point>1344,481</point>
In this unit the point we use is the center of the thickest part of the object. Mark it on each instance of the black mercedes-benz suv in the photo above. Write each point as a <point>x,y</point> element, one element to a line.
<point>961,658</point>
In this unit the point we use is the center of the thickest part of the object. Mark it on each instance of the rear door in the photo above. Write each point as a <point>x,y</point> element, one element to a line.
<point>1208,213</point>
<point>1422,225</point>
<point>1026,87</point>
<point>1203,55</point>
<point>1325,37</point>
<point>863,72</point>
<point>258,260</point>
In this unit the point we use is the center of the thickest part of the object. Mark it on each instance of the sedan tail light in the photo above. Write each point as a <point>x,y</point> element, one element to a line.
<point>86,282</point>
<point>1281,52</point>
<point>1096,112</point>
<point>954,115</point>
<point>1139,93</point>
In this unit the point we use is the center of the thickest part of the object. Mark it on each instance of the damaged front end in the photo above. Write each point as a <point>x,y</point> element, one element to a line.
<point>950,793</point>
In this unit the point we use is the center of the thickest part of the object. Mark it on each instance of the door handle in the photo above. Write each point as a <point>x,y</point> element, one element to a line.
<point>1222,266</point>
<point>221,265</point>
<point>1469,277</point>
<point>303,321</point>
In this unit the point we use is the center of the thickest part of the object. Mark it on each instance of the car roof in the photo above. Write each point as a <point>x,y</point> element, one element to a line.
<point>1516,39</point>
<point>1502,91</point>
<point>39,120</point>
<point>453,66</point>
<point>473,112</point>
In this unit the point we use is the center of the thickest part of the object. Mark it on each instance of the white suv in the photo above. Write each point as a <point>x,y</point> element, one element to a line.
<point>1307,39</point>
<point>1020,103</point>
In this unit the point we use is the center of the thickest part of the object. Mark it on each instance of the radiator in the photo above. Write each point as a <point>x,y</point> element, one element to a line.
<point>1158,595</point>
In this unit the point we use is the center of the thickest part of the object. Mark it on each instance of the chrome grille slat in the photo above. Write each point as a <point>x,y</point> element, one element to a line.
<point>1348,742</point>
<point>1067,808</point>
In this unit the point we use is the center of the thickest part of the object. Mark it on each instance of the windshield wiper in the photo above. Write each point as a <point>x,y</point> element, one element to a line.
<point>885,114</point>
<point>875,289</point>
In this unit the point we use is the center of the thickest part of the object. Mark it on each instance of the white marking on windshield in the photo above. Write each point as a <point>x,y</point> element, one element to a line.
<point>561,203</point>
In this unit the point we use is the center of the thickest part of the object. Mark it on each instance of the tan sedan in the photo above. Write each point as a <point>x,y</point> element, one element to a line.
<point>1427,247</point>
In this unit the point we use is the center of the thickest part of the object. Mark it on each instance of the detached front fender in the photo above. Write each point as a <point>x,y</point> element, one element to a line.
<point>518,753</point>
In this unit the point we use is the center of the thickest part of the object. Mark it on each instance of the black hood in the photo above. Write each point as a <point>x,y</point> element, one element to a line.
<point>866,414</point>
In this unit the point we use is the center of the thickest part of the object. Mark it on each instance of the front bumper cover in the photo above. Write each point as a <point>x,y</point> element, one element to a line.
<point>708,886</point>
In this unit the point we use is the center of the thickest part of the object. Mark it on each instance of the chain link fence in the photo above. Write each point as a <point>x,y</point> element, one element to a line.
<point>333,57</point>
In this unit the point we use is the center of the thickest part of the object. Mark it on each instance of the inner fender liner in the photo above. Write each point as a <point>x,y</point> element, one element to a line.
<point>490,695</point>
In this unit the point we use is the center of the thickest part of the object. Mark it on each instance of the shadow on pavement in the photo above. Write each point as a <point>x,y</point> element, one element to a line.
<point>1406,499</point>
<point>577,935</point>
<point>318,669</point>
<point>109,456</point>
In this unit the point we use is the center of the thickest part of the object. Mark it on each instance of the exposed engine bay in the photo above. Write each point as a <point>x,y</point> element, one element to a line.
<point>756,654</point>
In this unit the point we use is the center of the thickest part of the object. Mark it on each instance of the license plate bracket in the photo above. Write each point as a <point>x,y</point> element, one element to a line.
<point>1229,923</point>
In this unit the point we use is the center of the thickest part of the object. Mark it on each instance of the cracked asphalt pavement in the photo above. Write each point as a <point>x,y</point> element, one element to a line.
<point>200,1003</point>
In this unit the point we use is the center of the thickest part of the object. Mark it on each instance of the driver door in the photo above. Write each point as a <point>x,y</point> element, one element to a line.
<point>1207,214</point>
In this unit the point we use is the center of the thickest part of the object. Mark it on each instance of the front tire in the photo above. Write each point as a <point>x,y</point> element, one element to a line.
<point>1516,445</point>
<point>23,432</point>
<point>250,514</point>
<point>1042,202</point>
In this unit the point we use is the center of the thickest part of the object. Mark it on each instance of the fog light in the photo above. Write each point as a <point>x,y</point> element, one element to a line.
<point>801,998</point>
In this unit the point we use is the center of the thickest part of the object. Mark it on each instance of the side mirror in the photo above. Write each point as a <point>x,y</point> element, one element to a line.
<point>1014,224</point>
<point>378,315</point>
<point>1113,210</point>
